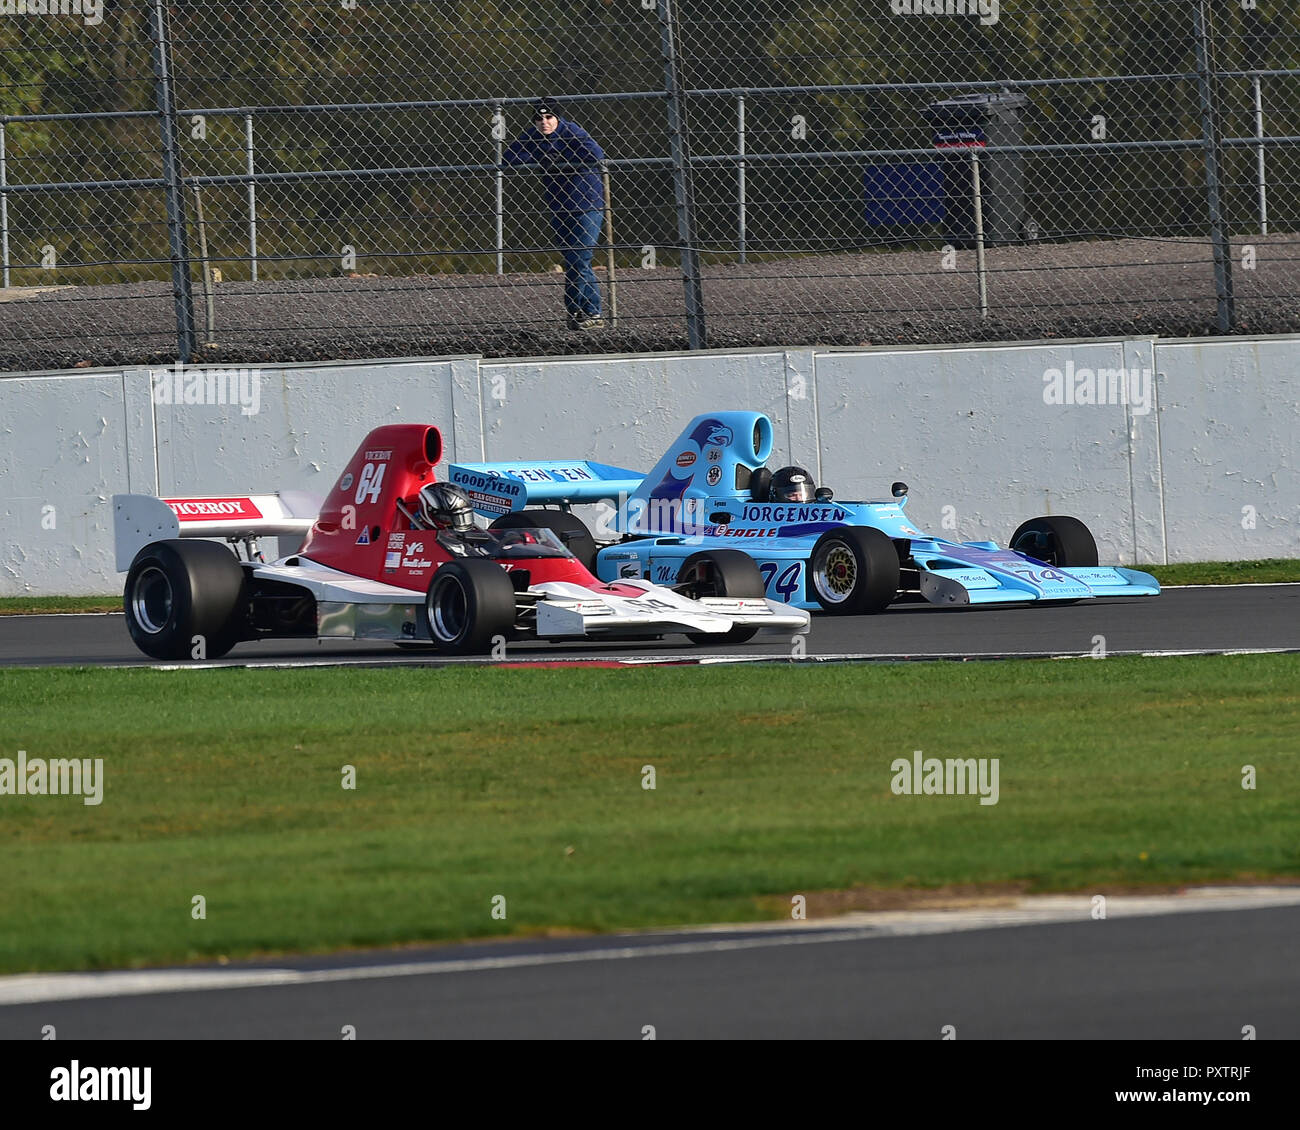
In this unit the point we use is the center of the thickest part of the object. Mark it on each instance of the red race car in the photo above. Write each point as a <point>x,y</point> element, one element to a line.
<point>395,554</point>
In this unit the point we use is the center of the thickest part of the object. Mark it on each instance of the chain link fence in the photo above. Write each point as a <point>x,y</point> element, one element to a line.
<point>303,179</point>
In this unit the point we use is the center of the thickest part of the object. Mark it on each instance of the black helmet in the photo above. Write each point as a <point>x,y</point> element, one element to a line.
<point>791,484</point>
<point>445,506</point>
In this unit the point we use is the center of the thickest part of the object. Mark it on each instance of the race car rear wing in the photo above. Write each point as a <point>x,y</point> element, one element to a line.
<point>139,519</point>
<point>499,488</point>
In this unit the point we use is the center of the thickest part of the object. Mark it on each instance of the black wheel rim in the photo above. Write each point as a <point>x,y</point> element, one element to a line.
<point>152,600</point>
<point>450,611</point>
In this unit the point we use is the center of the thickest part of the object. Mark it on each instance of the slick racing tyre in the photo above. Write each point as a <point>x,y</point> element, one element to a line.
<point>1059,540</point>
<point>184,600</point>
<point>853,570</point>
<point>467,605</point>
<point>569,529</point>
<point>720,572</point>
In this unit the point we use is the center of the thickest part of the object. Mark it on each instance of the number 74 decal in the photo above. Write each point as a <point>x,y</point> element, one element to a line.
<point>787,584</point>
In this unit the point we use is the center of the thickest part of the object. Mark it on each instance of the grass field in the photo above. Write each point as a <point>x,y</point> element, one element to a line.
<point>1270,571</point>
<point>528,784</point>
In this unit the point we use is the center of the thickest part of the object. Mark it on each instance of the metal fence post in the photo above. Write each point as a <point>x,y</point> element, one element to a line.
<point>609,247</point>
<point>1259,157</point>
<point>498,126</point>
<point>252,193</point>
<point>1205,75</point>
<point>209,312</point>
<point>4,205</point>
<point>182,295</point>
<point>683,177</point>
<point>977,202</point>
<point>740,172</point>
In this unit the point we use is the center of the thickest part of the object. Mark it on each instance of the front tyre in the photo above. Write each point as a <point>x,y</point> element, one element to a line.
<point>853,570</point>
<point>1059,540</point>
<point>720,572</point>
<point>184,600</point>
<point>469,604</point>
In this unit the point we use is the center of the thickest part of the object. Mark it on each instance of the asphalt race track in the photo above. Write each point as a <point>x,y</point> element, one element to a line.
<point>1212,618</point>
<point>1190,975</point>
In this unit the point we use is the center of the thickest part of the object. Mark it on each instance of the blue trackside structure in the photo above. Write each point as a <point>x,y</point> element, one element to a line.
<point>709,492</point>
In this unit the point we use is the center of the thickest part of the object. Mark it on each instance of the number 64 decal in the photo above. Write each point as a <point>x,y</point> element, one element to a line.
<point>787,584</point>
<point>370,482</point>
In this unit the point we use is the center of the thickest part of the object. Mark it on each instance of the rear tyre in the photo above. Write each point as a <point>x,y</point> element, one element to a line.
<point>720,572</point>
<point>569,529</point>
<point>853,570</point>
<point>183,594</point>
<point>467,605</point>
<point>1058,540</point>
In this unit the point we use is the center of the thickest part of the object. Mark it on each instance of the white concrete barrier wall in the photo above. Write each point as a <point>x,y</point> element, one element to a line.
<point>1168,450</point>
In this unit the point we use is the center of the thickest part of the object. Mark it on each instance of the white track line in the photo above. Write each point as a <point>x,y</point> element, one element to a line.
<point>682,659</point>
<point>34,988</point>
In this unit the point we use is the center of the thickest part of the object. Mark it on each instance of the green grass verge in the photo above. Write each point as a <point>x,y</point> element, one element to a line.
<point>528,784</point>
<point>1270,571</point>
<point>1274,570</point>
<point>43,605</point>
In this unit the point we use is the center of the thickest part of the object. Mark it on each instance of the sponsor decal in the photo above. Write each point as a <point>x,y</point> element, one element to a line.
<point>740,532</point>
<point>686,459</point>
<point>364,537</point>
<point>714,477</point>
<point>488,502</point>
<point>379,456</point>
<point>630,569</point>
<point>396,541</point>
<point>497,483</point>
<point>212,509</point>
<point>767,512</point>
<point>570,474</point>
<point>345,483</point>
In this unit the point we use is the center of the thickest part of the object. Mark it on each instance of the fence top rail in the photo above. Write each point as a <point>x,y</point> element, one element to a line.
<point>82,185</point>
<point>415,104</point>
<point>635,95</point>
<point>1258,74</point>
<point>100,116</point>
<point>953,84</point>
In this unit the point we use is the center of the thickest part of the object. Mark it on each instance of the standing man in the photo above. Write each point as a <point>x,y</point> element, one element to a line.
<point>575,195</point>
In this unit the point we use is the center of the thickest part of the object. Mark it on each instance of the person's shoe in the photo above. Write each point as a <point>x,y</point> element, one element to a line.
<point>590,322</point>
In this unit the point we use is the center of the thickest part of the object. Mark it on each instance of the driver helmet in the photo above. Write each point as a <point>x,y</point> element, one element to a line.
<point>445,506</point>
<point>791,484</point>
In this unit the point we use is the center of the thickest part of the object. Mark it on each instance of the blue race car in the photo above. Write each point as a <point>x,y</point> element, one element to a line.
<point>711,501</point>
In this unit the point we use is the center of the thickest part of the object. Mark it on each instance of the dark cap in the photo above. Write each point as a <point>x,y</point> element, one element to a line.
<point>544,106</point>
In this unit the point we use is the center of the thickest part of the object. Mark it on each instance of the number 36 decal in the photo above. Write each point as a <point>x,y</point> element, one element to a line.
<point>787,584</point>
